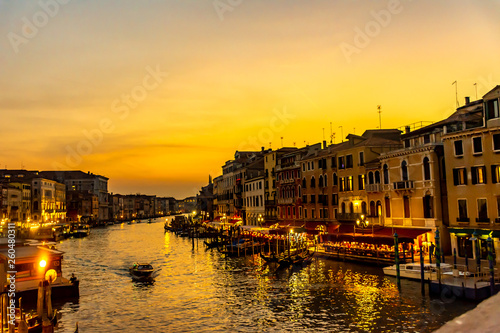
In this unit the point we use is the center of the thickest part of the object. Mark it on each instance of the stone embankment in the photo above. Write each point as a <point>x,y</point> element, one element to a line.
<point>483,318</point>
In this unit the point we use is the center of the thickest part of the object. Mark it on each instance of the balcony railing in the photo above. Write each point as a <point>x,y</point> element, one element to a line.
<point>348,217</point>
<point>287,166</point>
<point>372,187</point>
<point>286,201</point>
<point>403,185</point>
<point>463,219</point>
<point>482,220</point>
<point>270,202</point>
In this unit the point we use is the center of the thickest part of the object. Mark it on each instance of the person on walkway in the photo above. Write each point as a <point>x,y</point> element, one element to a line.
<point>431,252</point>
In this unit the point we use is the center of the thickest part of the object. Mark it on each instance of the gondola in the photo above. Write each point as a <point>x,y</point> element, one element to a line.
<point>270,259</point>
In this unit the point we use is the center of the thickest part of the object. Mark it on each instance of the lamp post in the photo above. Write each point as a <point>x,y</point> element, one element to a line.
<point>476,249</point>
<point>260,220</point>
<point>362,221</point>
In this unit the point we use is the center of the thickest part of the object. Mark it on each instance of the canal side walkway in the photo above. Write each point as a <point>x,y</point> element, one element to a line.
<point>483,318</point>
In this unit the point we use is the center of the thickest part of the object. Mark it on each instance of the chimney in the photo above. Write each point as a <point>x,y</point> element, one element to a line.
<point>324,144</point>
<point>407,129</point>
<point>262,148</point>
<point>467,100</point>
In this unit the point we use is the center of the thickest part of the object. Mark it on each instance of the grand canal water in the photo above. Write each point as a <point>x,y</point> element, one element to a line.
<point>200,291</point>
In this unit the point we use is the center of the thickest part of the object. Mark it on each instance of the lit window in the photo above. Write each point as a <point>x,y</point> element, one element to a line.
<point>478,175</point>
<point>460,176</point>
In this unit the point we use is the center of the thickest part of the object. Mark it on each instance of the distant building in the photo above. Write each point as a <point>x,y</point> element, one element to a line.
<point>81,181</point>
<point>205,201</point>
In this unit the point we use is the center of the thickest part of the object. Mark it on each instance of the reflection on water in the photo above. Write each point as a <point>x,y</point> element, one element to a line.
<point>199,290</point>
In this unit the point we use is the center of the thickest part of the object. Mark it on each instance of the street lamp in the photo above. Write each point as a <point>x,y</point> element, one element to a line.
<point>260,219</point>
<point>362,221</point>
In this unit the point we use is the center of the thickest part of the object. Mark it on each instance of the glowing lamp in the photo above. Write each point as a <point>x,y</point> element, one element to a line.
<point>43,263</point>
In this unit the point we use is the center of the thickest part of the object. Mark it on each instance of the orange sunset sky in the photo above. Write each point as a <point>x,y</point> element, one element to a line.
<point>157,95</point>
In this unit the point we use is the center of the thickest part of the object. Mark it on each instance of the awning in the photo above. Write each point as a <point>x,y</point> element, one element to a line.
<point>383,235</point>
<point>479,232</point>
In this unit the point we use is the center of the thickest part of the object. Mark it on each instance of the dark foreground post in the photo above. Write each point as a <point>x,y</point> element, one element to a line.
<point>396,256</point>
<point>489,241</point>
<point>422,280</point>
<point>438,258</point>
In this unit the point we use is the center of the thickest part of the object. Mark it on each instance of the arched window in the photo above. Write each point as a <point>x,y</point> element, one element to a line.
<point>320,181</point>
<point>377,177</point>
<point>363,207</point>
<point>387,207</point>
<point>379,208</point>
<point>343,208</point>
<point>404,170</point>
<point>386,174</point>
<point>304,182</point>
<point>427,169</point>
<point>313,182</point>
<point>373,212</point>
<point>335,179</point>
<point>326,180</point>
<point>370,177</point>
<point>351,207</point>
<point>300,191</point>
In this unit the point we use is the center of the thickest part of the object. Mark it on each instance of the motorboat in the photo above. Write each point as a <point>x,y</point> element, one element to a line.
<point>141,272</point>
<point>80,230</point>
<point>412,270</point>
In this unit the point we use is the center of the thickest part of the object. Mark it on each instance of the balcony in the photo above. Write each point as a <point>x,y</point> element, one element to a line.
<point>287,181</point>
<point>287,201</point>
<point>287,166</point>
<point>373,187</point>
<point>403,185</point>
<point>463,219</point>
<point>270,203</point>
<point>348,217</point>
<point>482,220</point>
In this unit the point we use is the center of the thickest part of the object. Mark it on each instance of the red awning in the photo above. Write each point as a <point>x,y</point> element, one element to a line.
<point>376,235</point>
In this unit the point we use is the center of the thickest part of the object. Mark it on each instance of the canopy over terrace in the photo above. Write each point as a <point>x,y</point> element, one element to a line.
<point>374,235</point>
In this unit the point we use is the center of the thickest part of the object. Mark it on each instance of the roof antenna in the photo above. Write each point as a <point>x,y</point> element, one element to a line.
<point>456,92</point>
<point>475,84</point>
<point>379,116</point>
<point>331,133</point>
<point>323,134</point>
<point>342,132</point>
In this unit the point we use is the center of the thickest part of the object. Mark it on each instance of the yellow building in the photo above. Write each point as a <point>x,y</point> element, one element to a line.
<point>472,152</point>
<point>412,186</point>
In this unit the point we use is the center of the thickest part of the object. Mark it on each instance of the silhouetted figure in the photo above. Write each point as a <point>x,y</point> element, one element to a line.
<point>73,278</point>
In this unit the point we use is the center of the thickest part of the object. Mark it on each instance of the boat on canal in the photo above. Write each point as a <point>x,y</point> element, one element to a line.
<point>34,264</point>
<point>412,270</point>
<point>79,230</point>
<point>141,272</point>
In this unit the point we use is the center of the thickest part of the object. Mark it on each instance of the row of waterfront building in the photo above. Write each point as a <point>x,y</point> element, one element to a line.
<point>443,176</point>
<point>34,197</point>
